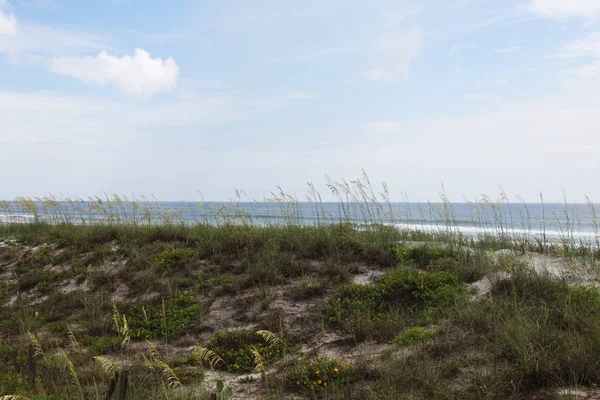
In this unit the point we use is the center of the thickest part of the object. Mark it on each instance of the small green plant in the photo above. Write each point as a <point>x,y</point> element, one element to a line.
<point>403,254</point>
<point>29,277</point>
<point>42,255</point>
<point>13,382</point>
<point>238,349</point>
<point>190,374</point>
<point>309,286</point>
<point>423,256</point>
<point>210,277</point>
<point>172,259</point>
<point>155,321</point>
<point>49,278</point>
<point>222,392</point>
<point>413,336</point>
<point>99,345</point>
<point>318,374</point>
<point>79,269</point>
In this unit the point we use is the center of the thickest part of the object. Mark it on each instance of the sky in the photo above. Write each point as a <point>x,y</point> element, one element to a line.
<point>190,100</point>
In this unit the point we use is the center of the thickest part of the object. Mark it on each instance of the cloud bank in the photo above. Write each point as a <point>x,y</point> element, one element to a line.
<point>561,9</point>
<point>8,22</point>
<point>140,75</point>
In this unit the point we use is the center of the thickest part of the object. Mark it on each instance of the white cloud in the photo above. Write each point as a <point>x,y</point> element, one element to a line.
<point>140,75</point>
<point>561,9</point>
<point>299,95</point>
<point>8,22</point>
<point>393,55</point>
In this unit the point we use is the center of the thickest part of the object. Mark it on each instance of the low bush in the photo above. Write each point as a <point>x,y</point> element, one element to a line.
<point>413,336</point>
<point>319,374</point>
<point>234,348</point>
<point>190,375</point>
<point>368,310</point>
<point>99,345</point>
<point>168,318</point>
<point>310,286</point>
<point>172,259</point>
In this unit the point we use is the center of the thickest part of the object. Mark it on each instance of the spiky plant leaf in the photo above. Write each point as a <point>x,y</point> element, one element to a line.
<point>259,361</point>
<point>117,319</point>
<point>37,347</point>
<point>153,351</point>
<point>72,337</point>
<point>65,362</point>
<point>147,363</point>
<point>107,365</point>
<point>207,355</point>
<point>271,338</point>
<point>125,332</point>
<point>168,373</point>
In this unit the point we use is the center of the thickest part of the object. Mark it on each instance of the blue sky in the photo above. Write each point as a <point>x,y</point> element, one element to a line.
<point>186,97</point>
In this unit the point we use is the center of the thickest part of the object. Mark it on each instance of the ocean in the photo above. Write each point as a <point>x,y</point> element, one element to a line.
<point>574,222</point>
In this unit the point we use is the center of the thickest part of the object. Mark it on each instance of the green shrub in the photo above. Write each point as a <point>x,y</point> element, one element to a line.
<point>12,383</point>
<point>172,259</point>
<point>6,288</point>
<point>234,348</point>
<point>42,256</point>
<point>414,335</point>
<point>58,327</point>
<point>190,375</point>
<point>155,321</point>
<point>210,277</point>
<point>403,254</point>
<point>38,278</point>
<point>79,269</point>
<point>102,344</point>
<point>310,286</point>
<point>543,331</point>
<point>367,310</point>
<point>423,256</point>
<point>319,374</point>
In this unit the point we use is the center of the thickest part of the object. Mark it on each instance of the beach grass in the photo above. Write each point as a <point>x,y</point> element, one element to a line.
<point>289,310</point>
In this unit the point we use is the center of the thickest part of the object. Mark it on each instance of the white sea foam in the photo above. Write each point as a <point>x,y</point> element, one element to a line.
<point>495,231</point>
<point>16,218</point>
